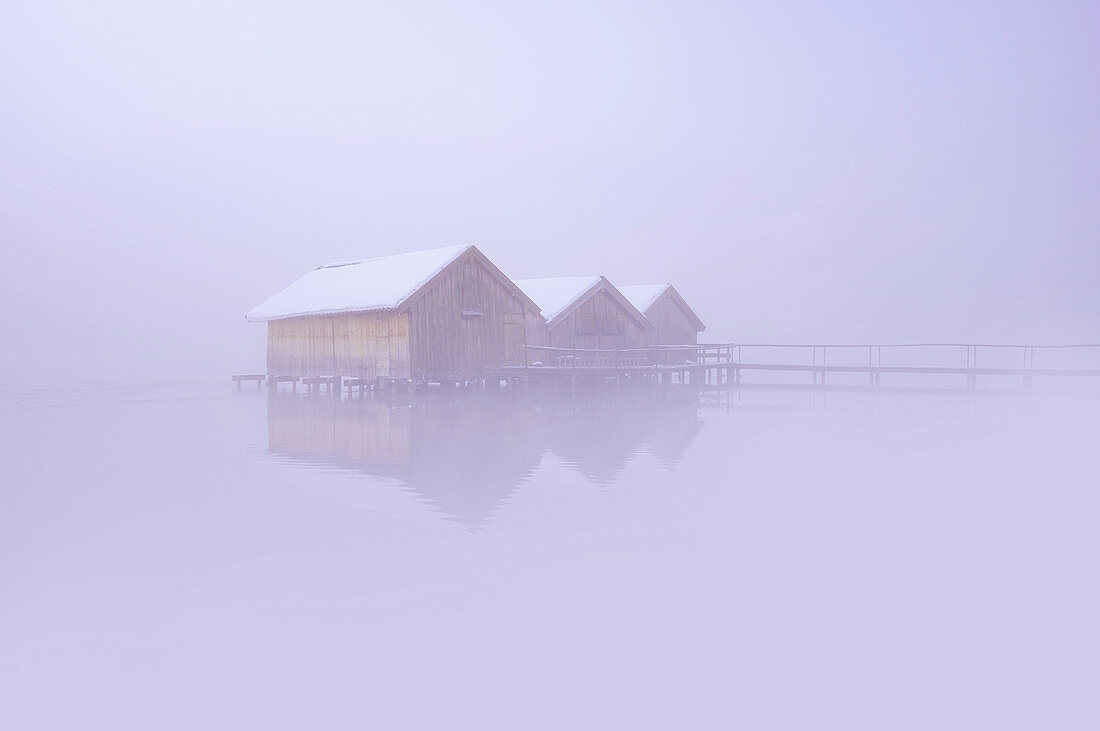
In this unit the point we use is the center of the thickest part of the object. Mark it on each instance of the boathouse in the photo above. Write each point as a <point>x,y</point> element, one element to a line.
<point>588,313</point>
<point>441,314</point>
<point>674,322</point>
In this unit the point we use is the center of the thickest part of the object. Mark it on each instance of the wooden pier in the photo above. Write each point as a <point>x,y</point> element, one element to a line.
<point>259,378</point>
<point>957,366</point>
<point>728,364</point>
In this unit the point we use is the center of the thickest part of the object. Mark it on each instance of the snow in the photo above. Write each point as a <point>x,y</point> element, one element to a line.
<point>554,295</point>
<point>643,295</point>
<point>368,284</point>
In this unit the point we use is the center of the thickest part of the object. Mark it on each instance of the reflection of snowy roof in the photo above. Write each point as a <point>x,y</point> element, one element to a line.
<point>553,295</point>
<point>643,295</point>
<point>368,284</point>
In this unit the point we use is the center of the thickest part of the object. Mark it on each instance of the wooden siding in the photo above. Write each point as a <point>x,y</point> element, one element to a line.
<point>599,322</point>
<point>465,323</point>
<point>537,332</point>
<point>673,326</point>
<point>354,344</point>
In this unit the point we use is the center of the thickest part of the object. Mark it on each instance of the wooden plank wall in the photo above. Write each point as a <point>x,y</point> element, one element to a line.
<point>373,344</point>
<point>673,327</point>
<point>300,346</point>
<point>537,334</point>
<point>445,343</point>
<point>355,345</point>
<point>600,322</point>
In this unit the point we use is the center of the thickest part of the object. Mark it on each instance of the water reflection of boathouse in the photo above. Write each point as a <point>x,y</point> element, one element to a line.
<point>467,453</point>
<point>598,437</point>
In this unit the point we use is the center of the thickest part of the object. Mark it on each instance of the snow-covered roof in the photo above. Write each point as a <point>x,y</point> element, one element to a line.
<point>368,284</point>
<point>643,295</point>
<point>554,295</point>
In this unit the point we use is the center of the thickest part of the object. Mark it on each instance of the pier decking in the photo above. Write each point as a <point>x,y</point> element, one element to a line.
<point>727,364</point>
<point>942,366</point>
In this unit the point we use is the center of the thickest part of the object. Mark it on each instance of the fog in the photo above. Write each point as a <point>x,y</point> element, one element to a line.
<point>853,173</point>
<point>765,552</point>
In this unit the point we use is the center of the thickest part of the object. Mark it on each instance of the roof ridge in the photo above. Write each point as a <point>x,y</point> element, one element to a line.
<point>352,262</point>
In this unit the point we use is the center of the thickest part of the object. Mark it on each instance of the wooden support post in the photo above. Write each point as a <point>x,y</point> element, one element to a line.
<point>257,377</point>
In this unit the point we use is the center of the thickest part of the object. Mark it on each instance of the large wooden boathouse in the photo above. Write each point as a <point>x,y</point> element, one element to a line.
<point>424,316</point>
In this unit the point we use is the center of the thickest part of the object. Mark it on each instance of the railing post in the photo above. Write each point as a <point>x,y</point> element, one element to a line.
<point>1027,376</point>
<point>971,364</point>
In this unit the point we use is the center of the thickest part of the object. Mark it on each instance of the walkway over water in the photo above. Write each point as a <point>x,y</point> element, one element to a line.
<point>827,365</point>
<point>923,366</point>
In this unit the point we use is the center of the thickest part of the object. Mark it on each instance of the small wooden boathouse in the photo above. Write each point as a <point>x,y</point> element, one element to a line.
<point>441,314</point>
<point>588,313</point>
<point>674,322</point>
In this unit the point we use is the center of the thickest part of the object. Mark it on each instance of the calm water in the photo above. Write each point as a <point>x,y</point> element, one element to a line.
<point>184,556</point>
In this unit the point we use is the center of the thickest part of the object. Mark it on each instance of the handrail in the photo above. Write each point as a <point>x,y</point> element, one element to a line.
<point>726,363</point>
<point>718,354</point>
<point>885,345</point>
<point>646,349</point>
<point>716,346</point>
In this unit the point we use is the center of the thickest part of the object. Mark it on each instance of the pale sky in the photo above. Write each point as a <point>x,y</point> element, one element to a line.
<point>847,173</point>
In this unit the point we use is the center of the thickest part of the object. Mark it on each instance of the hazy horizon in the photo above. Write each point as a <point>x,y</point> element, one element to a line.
<point>799,173</point>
